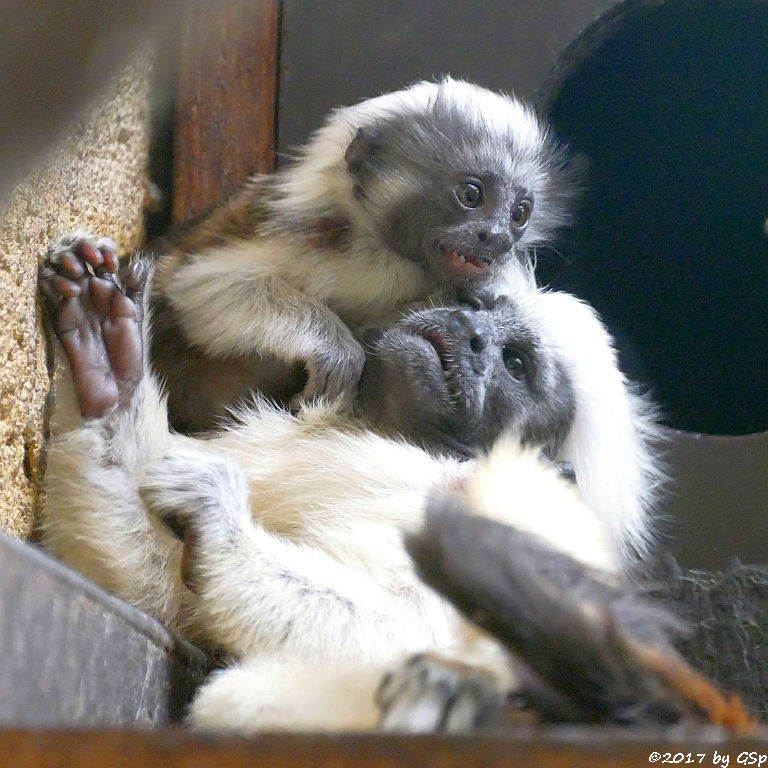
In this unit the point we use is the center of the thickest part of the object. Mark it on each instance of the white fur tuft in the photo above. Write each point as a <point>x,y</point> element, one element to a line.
<point>611,443</point>
<point>321,168</point>
<point>515,486</point>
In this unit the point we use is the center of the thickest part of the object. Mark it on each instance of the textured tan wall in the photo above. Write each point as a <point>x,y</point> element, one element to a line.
<point>97,179</point>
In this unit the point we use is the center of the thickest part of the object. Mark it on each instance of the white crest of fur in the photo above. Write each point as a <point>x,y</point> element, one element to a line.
<point>611,442</point>
<point>322,169</point>
<point>514,486</point>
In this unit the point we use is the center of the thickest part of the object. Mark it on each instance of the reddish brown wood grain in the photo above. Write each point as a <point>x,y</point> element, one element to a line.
<point>225,114</point>
<point>175,748</point>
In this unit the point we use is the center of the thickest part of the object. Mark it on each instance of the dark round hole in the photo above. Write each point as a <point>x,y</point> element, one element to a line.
<point>670,245</point>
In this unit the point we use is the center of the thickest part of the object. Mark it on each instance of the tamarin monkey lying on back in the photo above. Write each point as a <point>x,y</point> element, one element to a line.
<point>293,562</point>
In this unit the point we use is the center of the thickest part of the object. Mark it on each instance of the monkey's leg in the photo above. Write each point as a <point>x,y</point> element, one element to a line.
<point>282,692</point>
<point>260,592</point>
<point>93,518</point>
<point>230,303</point>
<point>585,649</point>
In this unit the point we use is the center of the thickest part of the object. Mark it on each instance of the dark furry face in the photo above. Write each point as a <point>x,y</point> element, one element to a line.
<point>435,226</point>
<point>453,379</point>
<point>454,196</point>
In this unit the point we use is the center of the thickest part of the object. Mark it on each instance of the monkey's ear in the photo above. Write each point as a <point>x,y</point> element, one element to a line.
<point>367,140</point>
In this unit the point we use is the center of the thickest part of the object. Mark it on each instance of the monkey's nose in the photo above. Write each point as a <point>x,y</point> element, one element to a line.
<point>495,241</point>
<point>470,328</point>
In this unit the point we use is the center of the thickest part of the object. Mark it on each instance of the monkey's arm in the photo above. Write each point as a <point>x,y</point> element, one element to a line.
<point>259,591</point>
<point>247,298</point>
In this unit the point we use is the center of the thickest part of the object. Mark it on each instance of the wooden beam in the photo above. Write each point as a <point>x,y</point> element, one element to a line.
<point>225,114</point>
<point>586,747</point>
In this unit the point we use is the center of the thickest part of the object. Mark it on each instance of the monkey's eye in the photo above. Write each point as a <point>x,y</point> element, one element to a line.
<point>521,214</point>
<point>515,363</point>
<point>469,194</point>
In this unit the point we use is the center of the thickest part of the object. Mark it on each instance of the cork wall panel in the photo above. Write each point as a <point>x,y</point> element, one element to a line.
<point>96,179</point>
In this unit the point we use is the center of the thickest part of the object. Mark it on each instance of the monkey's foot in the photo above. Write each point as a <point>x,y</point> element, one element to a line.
<point>97,321</point>
<point>433,695</point>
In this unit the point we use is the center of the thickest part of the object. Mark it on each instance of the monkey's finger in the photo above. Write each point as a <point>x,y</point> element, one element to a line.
<point>88,253</point>
<point>110,261</point>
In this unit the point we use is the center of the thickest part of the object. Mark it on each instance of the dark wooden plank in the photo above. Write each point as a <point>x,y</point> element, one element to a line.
<point>225,115</point>
<point>74,655</point>
<point>174,748</point>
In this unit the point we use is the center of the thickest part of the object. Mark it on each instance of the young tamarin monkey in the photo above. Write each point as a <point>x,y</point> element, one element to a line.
<point>433,193</point>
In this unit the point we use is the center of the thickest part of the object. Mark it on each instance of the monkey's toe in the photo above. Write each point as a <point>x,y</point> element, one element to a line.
<point>433,695</point>
<point>74,253</point>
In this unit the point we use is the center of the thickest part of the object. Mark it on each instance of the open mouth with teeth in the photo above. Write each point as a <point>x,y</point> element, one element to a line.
<point>447,362</point>
<point>464,264</point>
<point>439,344</point>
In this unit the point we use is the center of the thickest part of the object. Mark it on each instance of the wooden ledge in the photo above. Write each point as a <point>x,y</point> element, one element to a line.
<point>584,747</point>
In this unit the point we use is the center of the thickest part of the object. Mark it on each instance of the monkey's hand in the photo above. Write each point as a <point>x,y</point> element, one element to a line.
<point>202,498</point>
<point>334,370</point>
<point>228,307</point>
